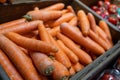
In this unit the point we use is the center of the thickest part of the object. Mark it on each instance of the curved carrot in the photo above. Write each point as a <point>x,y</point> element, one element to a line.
<point>72,71</point>
<point>73,58</point>
<point>73,21</point>
<point>83,22</point>
<point>20,60</point>
<point>77,67</point>
<point>43,63</point>
<point>92,22</point>
<point>82,55</point>
<point>80,39</point>
<point>31,44</point>
<point>60,55</point>
<point>54,31</point>
<point>8,67</point>
<point>101,42</point>
<point>70,9</point>
<point>57,6</point>
<point>43,15</point>
<point>12,23</point>
<point>64,18</point>
<point>60,71</point>
<point>21,28</point>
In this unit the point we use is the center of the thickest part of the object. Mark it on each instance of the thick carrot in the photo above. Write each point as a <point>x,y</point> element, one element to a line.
<point>21,28</point>
<point>57,6</point>
<point>70,9</point>
<point>54,31</point>
<point>82,55</point>
<point>92,22</point>
<point>60,71</point>
<point>12,23</point>
<point>77,67</point>
<point>3,1</point>
<point>9,67</point>
<point>80,39</point>
<point>43,15</point>
<point>64,18</point>
<point>72,71</point>
<point>72,56</point>
<point>31,44</point>
<point>19,59</point>
<point>83,22</point>
<point>42,62</point>
<point>60,55</point>
<point>73,21</point>
<point>101,42</point>
<point>103,25</point>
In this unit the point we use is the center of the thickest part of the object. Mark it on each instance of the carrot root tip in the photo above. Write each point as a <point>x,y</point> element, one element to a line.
<point>49,70</point>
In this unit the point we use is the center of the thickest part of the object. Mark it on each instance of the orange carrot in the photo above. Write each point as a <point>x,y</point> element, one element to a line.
<point>42,62</point>
<point>103,25</point>
<point>9,67</point>
<point>21,28</point>
<point>64,18</point>
<point>82,55</point>
<point>19,59</point>
<point>60,71</point>
<point>83,22</point>
<point>12,23</point>
<point>31,44</point>
<point>72,71</point>
<point>77,67</point>
<point>70,9</point>
<point>43,15</point>
<point>92,22</point>
<point>54,31</point>
<point>73,21</point>
<point>57,6</point>
<point>73,58</point>
<point>64,11</point>
<point>60,55</point>
<point>101,42</point>
<point>80,39</point>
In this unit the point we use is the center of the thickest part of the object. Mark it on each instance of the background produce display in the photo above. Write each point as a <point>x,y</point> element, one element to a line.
<point>50,39</point>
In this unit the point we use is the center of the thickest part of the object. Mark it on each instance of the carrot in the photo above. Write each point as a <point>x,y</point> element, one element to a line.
<point>64,11</point>
<point>70,9</point>
<point>83,22</point>
<point>21,28</point>
<point>31,44</point>
<point>43,15</point>
<point>43,63</point>
<point>77,67</point>
<point>103,25</point>
<point>80,39</point>
<point>3,1</point>
<point>72,71</point>
<point>64,18</point>
<point>19,59</point>
<point>101,42</point>
<point>73,58</point>
<point>8,67</point>
<point>57,6</point>
<point>82,55</point>
<point>92,22</point>
<point>60,71</point>
<point>60,55</point>
<point>103,35</point>
<point>12,23</point>
<point>24,50</point>
<point>54,31</point>
<point>73,21</point>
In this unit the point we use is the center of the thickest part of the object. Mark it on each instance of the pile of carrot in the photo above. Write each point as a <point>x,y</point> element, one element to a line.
<point>52,43</point>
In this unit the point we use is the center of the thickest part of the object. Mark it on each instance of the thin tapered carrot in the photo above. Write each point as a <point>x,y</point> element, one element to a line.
<point>82,55</point>
<point>77,67</point>
<point>43,15</point>
<point>83,22</point>
<point>72,71</point>
<point>72,56</point>
<point>21,28</point>
<point>73,21</point>
<point>9,67</point>
<point>92,22</point>
<point>70,9</point>
<point>42,62</point>
<point>60,55</point>
<point>12,23</point>
<point>22,63</point>
<point>54,31</point>
<point>103,25</point>
<point>101,42</point>
<point>60,71</point>
<point>64,18</point>
<point>80,39</point>
<point>57,6</point>
<point>31,44</point>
